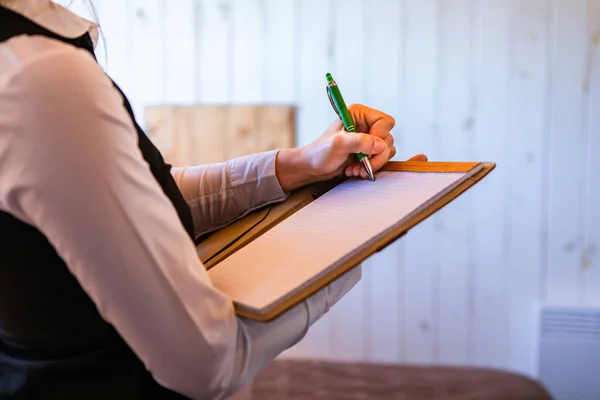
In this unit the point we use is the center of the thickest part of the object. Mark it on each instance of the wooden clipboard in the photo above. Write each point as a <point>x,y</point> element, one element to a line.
<point>226,241</point>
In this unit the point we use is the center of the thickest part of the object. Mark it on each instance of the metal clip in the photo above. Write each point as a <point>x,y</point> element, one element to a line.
<point>332,103</point>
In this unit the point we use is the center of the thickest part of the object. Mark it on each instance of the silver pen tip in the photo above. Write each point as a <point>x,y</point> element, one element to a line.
<point>365,162</point>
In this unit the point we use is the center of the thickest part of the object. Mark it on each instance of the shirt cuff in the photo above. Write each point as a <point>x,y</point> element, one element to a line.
<point>258,169</point>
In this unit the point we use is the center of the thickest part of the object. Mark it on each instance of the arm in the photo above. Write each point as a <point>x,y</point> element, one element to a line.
<point>221,193</point>
<point>218,194</point>
<point>76,174</point>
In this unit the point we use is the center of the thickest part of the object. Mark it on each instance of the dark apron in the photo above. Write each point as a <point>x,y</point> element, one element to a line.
<point>53,342</point>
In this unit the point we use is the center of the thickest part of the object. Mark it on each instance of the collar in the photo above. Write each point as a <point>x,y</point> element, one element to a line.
<point>55,18</point>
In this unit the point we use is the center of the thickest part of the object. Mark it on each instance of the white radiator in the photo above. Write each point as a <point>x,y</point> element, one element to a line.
<point>569,363</point>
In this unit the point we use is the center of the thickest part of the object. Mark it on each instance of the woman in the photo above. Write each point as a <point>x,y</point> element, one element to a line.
<point>101,292</point>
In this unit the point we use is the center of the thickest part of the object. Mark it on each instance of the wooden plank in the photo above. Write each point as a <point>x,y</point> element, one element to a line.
<point>280,52</point>
<point>348,71</point>
<point>430,166</point>
<point>163,131</point>
<point>591,251</point>
<point>213,51</point>
<point>210,134</point>
<point>249,33</point>
<point>455,140</point>
<point>384,273</point>
<point>489,346</point>
<point>179,80</point>
<point>419,121</point>
<point>146,56</point>
<point>567,137</point>
<point>526,135</point>
<point>252,129</point>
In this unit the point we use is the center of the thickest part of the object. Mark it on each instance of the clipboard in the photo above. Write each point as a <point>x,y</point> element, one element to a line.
<point>220,245</point>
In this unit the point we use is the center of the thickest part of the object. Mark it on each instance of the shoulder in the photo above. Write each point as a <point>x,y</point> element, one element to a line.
<point>36,68</point>
<point>22,54</point>
<point>59,112</point>
<point>52,78</point>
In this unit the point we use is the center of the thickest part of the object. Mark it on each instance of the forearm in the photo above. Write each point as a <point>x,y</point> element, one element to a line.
<point>221,193</point>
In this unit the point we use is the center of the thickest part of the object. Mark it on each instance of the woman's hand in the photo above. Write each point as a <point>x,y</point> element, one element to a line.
<point>334,152</point>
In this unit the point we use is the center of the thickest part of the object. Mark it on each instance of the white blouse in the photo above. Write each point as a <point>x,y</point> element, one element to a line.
<point>72,168</point>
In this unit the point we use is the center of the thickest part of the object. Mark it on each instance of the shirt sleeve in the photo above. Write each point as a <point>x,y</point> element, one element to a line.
<point>71,167</point>
<point>221,193</point>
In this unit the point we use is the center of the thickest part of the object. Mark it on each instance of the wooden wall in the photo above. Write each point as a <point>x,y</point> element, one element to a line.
<point>512,81</point>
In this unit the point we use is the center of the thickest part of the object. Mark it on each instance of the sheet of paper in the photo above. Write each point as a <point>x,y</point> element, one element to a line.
<point>311,240</point>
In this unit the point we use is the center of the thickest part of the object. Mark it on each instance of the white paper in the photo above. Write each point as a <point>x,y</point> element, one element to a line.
<point>307,243</point>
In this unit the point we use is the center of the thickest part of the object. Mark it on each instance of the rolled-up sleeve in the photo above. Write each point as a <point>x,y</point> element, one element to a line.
<point>221,193</point>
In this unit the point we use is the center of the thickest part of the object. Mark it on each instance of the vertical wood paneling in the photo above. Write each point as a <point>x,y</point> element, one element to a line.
<point>421,63</point>
<point>213,51</point>
<point>591,251</point>
<point>348,71</point>
<point>568,107</point>
<point>179,52</point>
<point>249,34</point>
<point>446,290</point>
<point>490,124</point>
<point>190,135</point>
<point>384,272</point>
<point>314,112</point>
<point>147,56</point>
<point>114,46</point>
<point>456,125</point>
<point>527,127</point>
<point>280,51</point>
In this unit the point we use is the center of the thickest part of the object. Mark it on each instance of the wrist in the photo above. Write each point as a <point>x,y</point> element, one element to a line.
<point>293,169</point>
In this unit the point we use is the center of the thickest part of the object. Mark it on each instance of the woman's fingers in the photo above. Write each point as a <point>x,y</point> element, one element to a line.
<point>418,157</point>
<point>370,120</point>
<point>352,143</point>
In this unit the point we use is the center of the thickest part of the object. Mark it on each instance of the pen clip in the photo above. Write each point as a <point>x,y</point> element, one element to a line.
<point>332,103</point>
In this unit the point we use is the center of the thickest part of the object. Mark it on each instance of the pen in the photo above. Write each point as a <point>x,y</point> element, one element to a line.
<point>339,106</point>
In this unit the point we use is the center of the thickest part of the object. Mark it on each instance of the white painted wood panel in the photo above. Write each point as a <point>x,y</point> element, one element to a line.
<point>489,88</point>
<point>348,317</point>
<point>591,250</point>
<point>384,89</point>
<point>527,126</point>
<point>179,49</point>
<point>511,81</point>
<point>314,113</point>
<point>115,42</point>
<point>280,44</point>
<point>248,27</point>
<point>453,239</point>
<point>147,58</point>
<point>214,41</point>
<point>419,288</point>
<point>567,138</point>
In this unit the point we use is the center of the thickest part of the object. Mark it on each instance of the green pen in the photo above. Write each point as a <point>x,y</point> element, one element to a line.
<point>339,106</point>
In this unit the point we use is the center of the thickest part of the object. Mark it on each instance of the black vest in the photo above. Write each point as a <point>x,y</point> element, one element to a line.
<point>53,342</point>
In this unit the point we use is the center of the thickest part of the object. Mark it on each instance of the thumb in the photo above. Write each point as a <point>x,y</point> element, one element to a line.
<point>362,143</point>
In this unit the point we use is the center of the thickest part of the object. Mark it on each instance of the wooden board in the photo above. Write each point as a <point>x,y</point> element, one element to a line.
<point>189,135</point>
